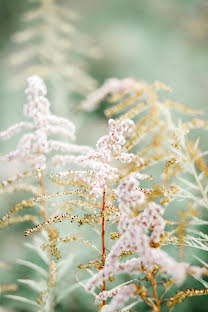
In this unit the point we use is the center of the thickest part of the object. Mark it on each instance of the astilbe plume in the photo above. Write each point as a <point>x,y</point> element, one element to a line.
<point>134,230</point>
<point>38,151</point>
<point>164,141</point>
<point>35,145</point>
<point>96,187</point>
<point>105,189</point>
<point>136,215</point>
<point>141,102</point>
<point>158,138</point>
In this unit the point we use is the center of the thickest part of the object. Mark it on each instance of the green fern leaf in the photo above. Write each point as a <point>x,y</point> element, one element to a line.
<point>23,299</point>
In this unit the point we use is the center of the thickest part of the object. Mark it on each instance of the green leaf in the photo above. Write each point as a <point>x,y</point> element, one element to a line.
<point>33,266</point>
<point>35,246</point>
<point>188,183</point>
<point>31,283</point>
<point>201,261</point>
<point>63,267</point>
<point>204,283</point>
<point>23,299</point>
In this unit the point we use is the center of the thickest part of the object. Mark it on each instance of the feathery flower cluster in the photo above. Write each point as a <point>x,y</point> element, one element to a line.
<point>5,135</point>
<point>103,295</point>
<point>112,85</point>
<point>130,290</point>
<point>110,192</point>
<point>107,149</point>
<point>123,294</point>
<point>34,146</point>
<point>128,195</point>
<point>134,235</point>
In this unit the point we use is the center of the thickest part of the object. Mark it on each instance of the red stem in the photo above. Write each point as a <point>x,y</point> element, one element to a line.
<point>154,285</point>
<point>103,240</point>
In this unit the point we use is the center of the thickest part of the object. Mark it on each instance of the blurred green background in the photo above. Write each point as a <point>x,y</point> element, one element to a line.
<point>149,40</point>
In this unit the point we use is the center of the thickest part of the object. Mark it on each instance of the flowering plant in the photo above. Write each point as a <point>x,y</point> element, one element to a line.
<point>106,188</point>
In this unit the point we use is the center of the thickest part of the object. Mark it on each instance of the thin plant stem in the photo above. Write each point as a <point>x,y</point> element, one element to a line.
<point>154,286</point>
<point>45,215</point>
<point>199,184</point>
<point>103,243</point>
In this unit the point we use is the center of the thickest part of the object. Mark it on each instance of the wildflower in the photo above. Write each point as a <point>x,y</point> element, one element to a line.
<point>106,148</point>
<point>112,85</point>
<point>34,146</point>
<point>135,236</point>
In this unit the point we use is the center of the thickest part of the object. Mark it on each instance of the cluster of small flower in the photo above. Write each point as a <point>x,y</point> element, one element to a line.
<point>104,172</point>
<point>117,130</point>
<point>5,135</point>
<point>34,146</point>
<point>38,107</point>
<point>129,195</point>
<point>151,218</point>
<point>37,102</point>
<point>113,142</point>
<point>103,295</point>
<point>135,236</point>
<point>123,294</point>
<point>127,157</point>
<point>104,153</point>
<point>112,85</point>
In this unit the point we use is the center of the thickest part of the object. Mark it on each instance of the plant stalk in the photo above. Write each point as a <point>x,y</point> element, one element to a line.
<point>103,243</point>
<point>45,215</point>
<point>154,284</point>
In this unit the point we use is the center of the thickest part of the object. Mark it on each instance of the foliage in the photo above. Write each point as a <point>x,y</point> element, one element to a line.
<point>109,196</point>
<point>122,225</point>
